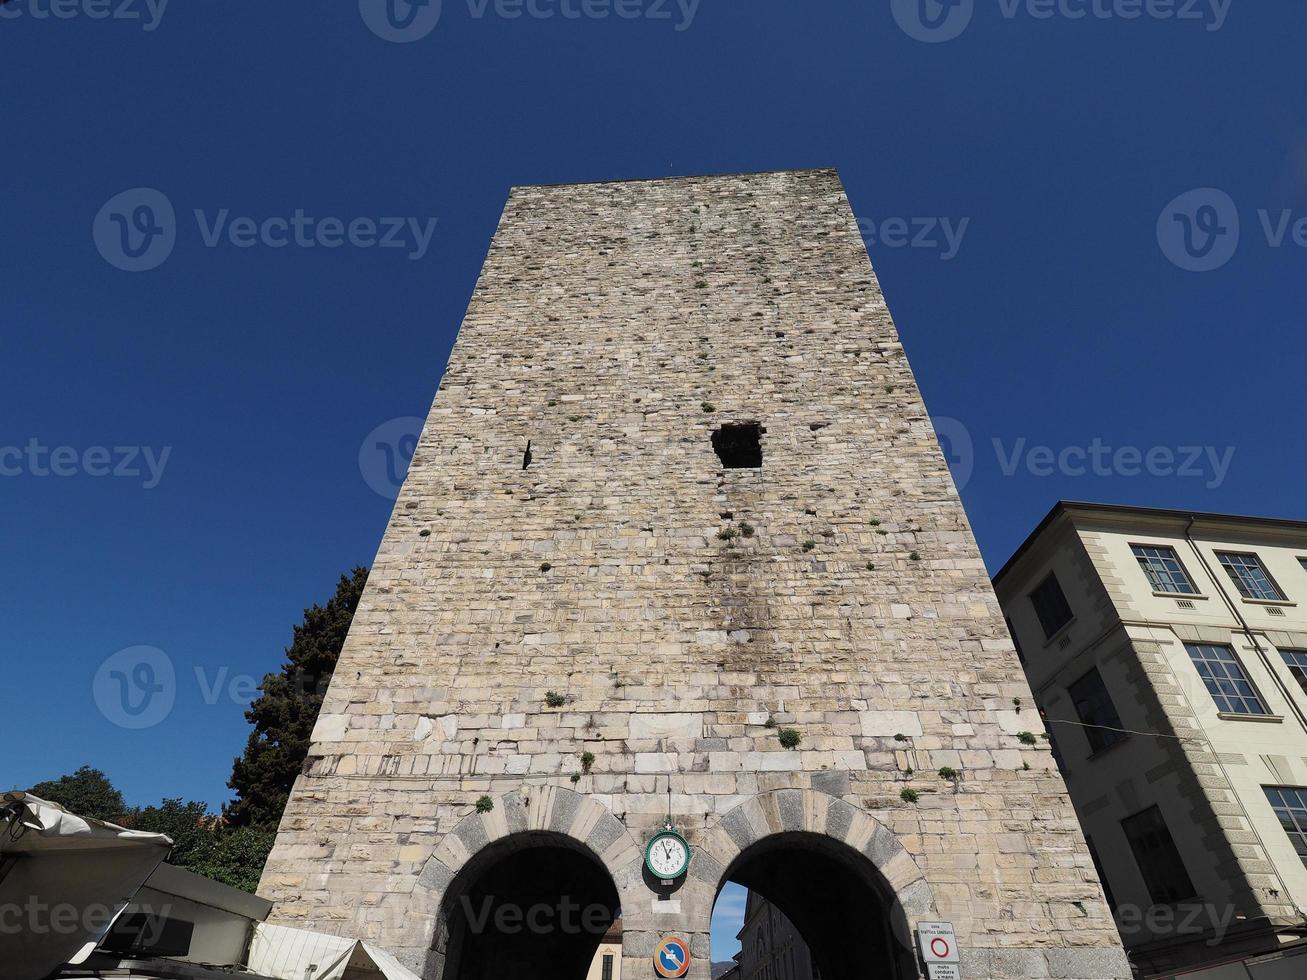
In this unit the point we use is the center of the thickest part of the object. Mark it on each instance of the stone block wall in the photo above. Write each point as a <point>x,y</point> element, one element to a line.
<point>685,613</point>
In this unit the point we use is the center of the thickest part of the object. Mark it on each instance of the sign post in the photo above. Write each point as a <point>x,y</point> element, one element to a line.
<point>939,950</point>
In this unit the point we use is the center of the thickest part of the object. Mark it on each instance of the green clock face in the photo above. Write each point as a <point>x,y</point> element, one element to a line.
<point>667,855</point>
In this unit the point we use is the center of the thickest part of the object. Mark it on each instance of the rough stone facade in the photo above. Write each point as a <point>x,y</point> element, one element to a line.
<point>616,326</point>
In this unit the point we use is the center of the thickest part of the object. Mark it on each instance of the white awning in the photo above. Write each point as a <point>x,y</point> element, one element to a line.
<point>287,953</point>
<point>63,881</point>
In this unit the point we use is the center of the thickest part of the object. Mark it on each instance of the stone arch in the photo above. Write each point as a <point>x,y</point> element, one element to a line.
<point>544,827</point>
<point>789,844</point>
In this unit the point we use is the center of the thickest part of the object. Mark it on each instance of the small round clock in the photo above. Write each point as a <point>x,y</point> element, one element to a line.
<point>667,855</point>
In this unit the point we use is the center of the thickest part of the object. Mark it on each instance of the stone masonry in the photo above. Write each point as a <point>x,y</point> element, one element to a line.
<point>684,610</point>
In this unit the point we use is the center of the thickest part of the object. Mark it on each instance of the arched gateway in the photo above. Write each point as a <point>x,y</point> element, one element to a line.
<point>729,587</point>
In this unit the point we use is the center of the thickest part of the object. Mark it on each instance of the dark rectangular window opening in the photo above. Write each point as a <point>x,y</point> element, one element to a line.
<point>739,447</point>
<point>1096,711</point>
<point>1157,857</point>
<point>1050,606</point>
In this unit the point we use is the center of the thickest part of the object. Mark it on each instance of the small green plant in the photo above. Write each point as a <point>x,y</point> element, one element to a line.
<point>1016,703</point>
<point>545,566</point>
<point>948,772</point>
<point>769,723</point>
<point>875,522</point>
<point>708,407</point>
<point>726,534</point>
<point>576,777</point>
<point>1025,766</point>
<point>909,771</point>
<point>554,699</point>
<point>908,795</point>
<point>881,530</point>
<point>485,804</point>
<point>700,285</point>
<point>789,737</point>
<point>914,557</point>
<point>809,545</point>
<point>1027,738</point>
<point>552,403</point>
<point>587,760</point>
<point>871,566</point>
<point>746,529</point>
<point>900,737</point>
<point>425,533</point>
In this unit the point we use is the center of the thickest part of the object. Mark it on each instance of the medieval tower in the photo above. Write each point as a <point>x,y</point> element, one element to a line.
<point>729,586</point>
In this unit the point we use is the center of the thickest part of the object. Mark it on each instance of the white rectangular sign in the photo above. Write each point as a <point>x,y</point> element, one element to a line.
<point>938,943</point>
<point>943,971</point>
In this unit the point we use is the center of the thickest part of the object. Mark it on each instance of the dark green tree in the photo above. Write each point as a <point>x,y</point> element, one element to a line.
<point>284,715</point>
<point>205,844</point>
<point>87,793</point>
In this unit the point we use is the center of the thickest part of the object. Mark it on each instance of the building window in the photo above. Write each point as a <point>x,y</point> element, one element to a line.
<point>1296,661</point>
<point>1290,805</point>
<point>1157,857</point>
<point>1163,568</point>
<point>1015,642</point>
<point>1096,711</point>
<point>1050,605</point>
<point>608,967</point>
<point>1249,576</point>
<point>1102,875</point>
<point>1225,679</point>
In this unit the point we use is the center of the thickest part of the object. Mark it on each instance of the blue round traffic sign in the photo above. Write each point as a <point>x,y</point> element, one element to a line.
<point>672,957</point>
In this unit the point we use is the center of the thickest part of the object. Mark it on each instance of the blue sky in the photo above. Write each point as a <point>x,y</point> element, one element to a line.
<point>1052,315</point>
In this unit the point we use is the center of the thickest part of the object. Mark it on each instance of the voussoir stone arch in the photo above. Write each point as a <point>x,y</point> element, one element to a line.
<point>553,810</point>
<point>809,811</point>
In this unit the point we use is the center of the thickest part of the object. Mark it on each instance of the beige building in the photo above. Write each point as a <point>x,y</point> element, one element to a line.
<point>1168,652</point>
<point>678,545</point>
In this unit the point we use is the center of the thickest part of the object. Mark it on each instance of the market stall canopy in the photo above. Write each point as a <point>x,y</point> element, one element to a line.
<point>63,881</point>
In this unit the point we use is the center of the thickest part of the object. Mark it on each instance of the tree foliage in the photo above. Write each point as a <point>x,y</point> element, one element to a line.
<point>284,714</point>
<point>86,792</point>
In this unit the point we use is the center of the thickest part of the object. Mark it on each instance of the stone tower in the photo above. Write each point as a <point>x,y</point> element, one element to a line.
<point>733,527</point>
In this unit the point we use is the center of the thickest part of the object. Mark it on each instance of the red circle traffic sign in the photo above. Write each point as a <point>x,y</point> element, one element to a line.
<point>939,947</point>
